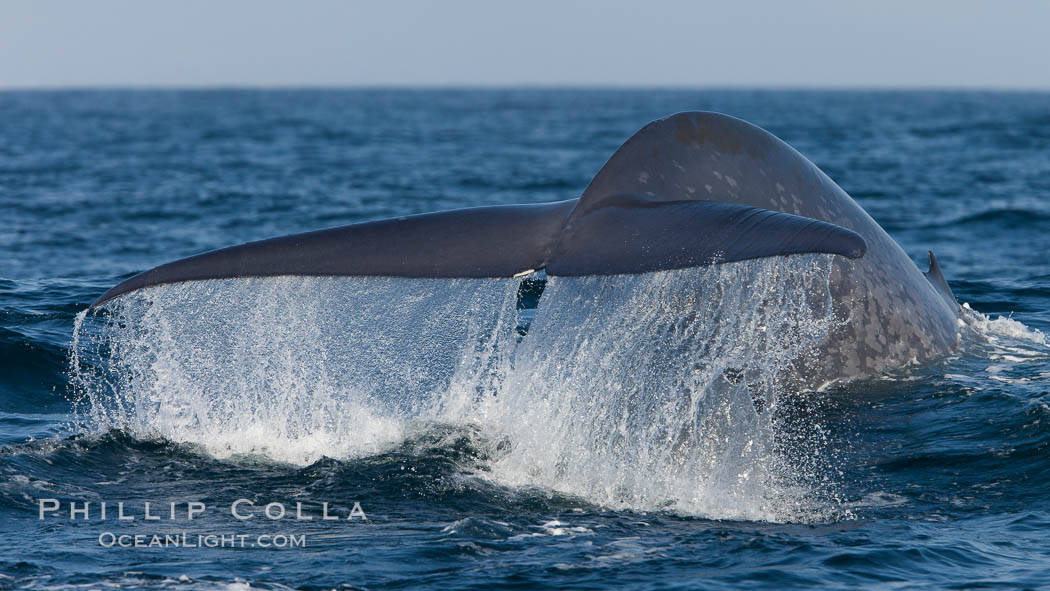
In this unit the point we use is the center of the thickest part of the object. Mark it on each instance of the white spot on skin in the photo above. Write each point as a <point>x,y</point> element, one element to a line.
<point>780,188</point>
<point>691,190</point>
<point>643,178</point>
<point>717,174</point>
<point>731,181</point>
<point>708,187</point>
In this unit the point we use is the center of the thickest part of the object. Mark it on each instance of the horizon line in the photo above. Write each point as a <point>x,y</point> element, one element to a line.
<point>123,86</point>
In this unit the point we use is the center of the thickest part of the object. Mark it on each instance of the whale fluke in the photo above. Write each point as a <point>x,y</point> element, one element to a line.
<point>632,233</point>
<point>622,234</point>
<point>642,212</point>
<point>477,242</point>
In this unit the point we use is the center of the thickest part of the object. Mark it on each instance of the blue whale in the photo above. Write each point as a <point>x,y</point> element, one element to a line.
<point>691,189</point>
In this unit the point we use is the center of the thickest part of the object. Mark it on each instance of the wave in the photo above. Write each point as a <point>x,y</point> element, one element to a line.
<point>1008,217</point>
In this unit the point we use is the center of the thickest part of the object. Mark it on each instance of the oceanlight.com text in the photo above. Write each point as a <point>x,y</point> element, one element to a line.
<point>187,540</point>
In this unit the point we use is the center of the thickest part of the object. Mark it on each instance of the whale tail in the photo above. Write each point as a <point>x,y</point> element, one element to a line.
<point>616,227</point>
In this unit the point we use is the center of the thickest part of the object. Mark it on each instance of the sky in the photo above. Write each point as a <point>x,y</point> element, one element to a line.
<point>790,43</point>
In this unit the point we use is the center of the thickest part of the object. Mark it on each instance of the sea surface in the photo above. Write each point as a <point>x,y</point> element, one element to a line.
<point>463,437</point>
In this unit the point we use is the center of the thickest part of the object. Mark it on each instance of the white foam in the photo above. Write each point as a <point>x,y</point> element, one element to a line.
<point>880,500</point>
<point>1017,351</point>
<point>1004,327</point>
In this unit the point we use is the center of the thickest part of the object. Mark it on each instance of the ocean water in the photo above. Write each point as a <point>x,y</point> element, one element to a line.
<point>606,439</point>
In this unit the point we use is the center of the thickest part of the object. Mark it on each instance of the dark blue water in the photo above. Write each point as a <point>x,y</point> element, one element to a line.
<point>934,476</point>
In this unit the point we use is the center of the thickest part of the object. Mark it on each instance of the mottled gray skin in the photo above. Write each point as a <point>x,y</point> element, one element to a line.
<point>895,315</point>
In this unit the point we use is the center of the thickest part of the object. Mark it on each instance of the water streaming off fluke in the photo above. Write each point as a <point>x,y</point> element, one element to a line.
<point>653,391</point>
